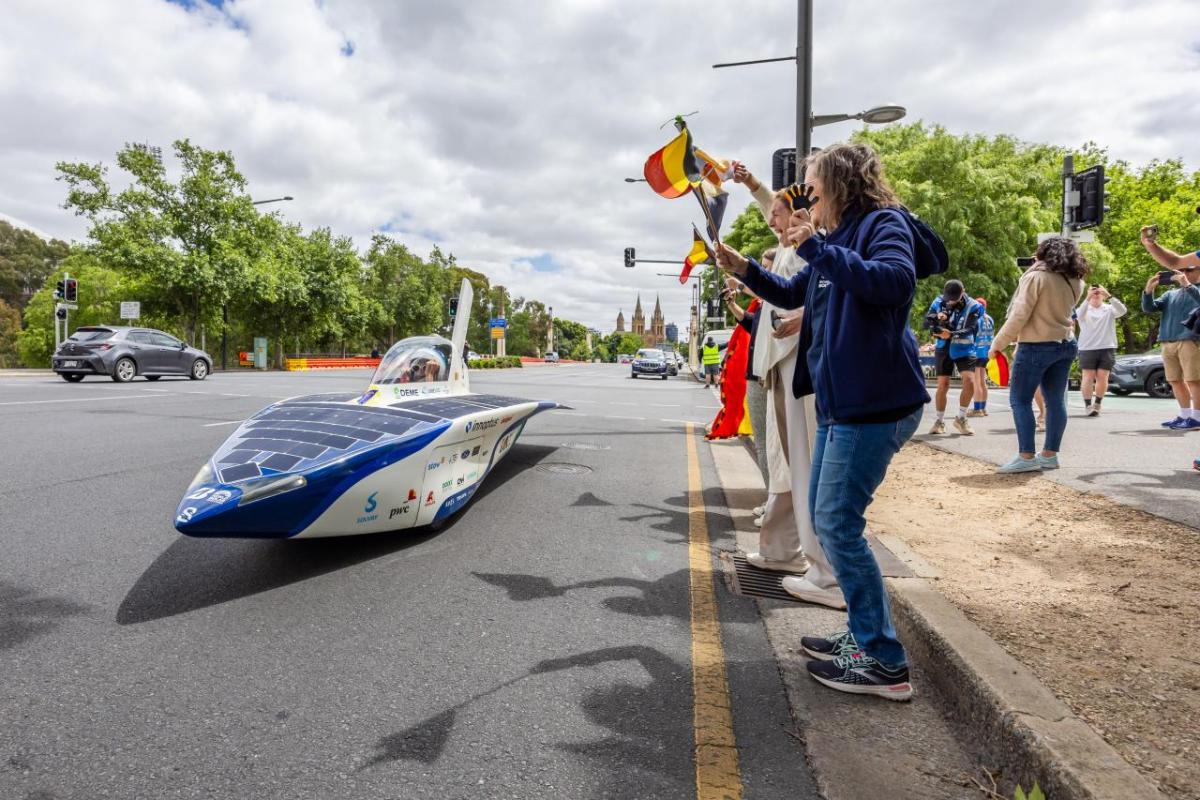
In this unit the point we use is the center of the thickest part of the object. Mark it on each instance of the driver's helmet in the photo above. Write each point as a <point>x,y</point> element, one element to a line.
<point>420,359</point>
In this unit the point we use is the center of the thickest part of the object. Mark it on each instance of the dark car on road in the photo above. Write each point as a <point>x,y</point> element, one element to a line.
<point>1140,373</point>
<point>649,362</point>
<point>123,353</point>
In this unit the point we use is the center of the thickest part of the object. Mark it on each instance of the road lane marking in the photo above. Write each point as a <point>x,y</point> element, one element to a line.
<point>615,416</point>
<point>218,424</point>
<point>96,398</point>
<point>717,774</point>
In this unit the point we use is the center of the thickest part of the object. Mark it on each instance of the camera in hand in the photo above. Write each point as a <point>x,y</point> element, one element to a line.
<point>1165,277</point>
<point>934,321</point>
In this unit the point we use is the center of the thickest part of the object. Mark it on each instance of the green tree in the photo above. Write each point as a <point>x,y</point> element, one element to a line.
<point>10,330</point>
<point>26,261</point>
<point>406,294</point>
<point>987,197</point>
<point>189,243</point>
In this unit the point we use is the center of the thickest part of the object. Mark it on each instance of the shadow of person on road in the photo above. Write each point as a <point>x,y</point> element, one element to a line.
<point>195,573</point>
<point>665,597</point>
<point>24,615</point>
<point>649,751</point>
<point>994,480</point>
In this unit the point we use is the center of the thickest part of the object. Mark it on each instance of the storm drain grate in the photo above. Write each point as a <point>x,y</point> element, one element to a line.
<point>563,468</point>
<point>744,579</point>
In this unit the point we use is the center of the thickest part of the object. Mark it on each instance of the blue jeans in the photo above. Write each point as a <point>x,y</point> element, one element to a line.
<point>1045,364</point>
<point>848,464</point>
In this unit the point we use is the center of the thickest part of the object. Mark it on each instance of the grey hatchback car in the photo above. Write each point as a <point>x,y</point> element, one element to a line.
<point>123,353</point>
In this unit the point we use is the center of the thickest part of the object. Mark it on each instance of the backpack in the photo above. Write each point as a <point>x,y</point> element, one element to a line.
<point>929,249</point>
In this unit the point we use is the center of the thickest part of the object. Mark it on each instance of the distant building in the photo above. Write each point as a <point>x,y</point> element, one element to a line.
<point>672,333</point>
<point>656,335</point>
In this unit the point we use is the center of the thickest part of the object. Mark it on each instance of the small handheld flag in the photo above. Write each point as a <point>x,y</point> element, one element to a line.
<point>701,252</point>
<point>672,171</point>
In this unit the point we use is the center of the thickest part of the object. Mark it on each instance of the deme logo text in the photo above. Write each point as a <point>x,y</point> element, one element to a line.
<point>369,508</point>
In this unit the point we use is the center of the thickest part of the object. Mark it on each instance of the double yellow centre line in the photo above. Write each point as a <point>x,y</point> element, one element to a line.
<point>717,773</point>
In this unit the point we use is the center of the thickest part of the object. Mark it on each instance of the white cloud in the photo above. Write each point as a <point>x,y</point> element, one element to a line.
<point>501,130</point>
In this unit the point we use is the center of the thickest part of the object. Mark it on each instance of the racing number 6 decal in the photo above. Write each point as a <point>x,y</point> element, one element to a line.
<point>186,515</point>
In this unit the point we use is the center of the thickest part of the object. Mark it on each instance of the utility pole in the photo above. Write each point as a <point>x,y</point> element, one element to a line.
<point>804,29</point>
<point>1070,196</point>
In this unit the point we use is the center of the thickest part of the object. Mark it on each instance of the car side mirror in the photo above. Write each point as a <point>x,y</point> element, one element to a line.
<point>183,345</point>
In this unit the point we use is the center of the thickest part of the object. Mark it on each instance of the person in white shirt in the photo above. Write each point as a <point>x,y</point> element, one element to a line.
<point>1097,317</point>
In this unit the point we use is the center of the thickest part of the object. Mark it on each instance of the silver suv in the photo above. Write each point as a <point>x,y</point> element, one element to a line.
<point>123,353</point>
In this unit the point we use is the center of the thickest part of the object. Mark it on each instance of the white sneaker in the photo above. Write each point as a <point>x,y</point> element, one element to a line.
<point>758,511</point>
<point>962,426</point>
<point>803,589</point>
<point>758,522</point>
<point>798,565</point>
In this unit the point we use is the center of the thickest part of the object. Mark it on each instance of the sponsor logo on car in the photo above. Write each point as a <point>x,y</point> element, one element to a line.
<point>506,419</point>
<point>412,495</point>
<point>369,509</point>
<point>217,498</point>
<point>367,396</point>
<point>429,499</point>
<point>448,484</point>
<point>482,425</point>
<point>434,465</point>
<point>461,481</point>
<point>395,512</point>
<point>475,450</point>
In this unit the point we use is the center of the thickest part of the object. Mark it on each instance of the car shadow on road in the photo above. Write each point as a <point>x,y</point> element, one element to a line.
<point>24,615</point>
<point>195,573</point>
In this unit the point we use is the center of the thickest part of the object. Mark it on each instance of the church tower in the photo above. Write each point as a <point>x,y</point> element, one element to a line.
<point>658,327</point>
<point>639,318</point>
<point>620,322</point>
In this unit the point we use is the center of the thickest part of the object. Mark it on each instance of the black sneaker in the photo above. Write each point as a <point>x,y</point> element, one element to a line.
<point>827,647</point>
<point>858,673</point>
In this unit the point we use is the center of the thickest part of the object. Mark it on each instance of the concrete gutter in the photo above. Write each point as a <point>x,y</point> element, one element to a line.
<point>1015,722</point>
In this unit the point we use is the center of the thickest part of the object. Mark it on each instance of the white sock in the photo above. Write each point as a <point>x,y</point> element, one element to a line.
<point>941,416</point>
<point>1187,413</point>
<point>962,412</point>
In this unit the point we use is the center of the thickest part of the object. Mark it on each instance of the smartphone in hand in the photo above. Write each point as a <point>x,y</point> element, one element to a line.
<point>1166,277</point>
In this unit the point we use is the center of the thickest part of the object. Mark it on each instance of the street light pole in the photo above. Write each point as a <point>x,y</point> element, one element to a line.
<point>225,305</point>
<point>804,28</point>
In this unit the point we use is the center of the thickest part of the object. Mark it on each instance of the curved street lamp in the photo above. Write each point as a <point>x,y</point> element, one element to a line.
<point>879,115</point>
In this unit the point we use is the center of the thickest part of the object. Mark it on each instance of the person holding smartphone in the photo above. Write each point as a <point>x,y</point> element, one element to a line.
<point>1180,347</point>
<point>1097,317</point>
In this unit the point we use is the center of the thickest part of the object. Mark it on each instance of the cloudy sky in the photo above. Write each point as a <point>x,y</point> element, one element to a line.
<point>501,130</point>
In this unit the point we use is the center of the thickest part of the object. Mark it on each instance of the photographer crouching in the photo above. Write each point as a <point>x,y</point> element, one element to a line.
<point>858,358</point>
<point>953,319</point>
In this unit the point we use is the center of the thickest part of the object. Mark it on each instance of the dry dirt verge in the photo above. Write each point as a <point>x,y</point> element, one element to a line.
<point>1100,600</point>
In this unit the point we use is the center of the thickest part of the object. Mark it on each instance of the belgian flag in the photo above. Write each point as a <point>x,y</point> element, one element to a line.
<point>701,252</point>
<point>673,170</point>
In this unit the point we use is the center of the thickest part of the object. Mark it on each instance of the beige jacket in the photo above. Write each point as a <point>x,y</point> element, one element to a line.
<point>769,351</point>
<point>1041,308</point>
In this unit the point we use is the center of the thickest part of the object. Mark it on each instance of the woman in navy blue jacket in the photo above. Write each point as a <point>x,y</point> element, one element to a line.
<point>860,362</point>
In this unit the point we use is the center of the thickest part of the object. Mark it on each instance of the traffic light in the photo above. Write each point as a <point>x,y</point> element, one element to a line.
<point>71,294</point>
<point>630,258</point>
<point>453,307</point>
<point>61,313</point>
<point>58,291</point>
<point>1090,185</point>
<point>783,168</point>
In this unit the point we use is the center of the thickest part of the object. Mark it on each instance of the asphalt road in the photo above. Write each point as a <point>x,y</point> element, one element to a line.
<point>539,645</point>
<point>1123,453</point>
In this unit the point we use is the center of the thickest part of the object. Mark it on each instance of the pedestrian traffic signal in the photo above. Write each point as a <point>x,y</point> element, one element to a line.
<point>453,307</point>
<point>71,293</point>
<point>58,291</point>
<point>61,313</point>
<point>1090,185</point>
<point>630,258</point>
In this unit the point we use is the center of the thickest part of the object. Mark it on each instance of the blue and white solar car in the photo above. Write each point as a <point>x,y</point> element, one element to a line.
<point>410,451</point>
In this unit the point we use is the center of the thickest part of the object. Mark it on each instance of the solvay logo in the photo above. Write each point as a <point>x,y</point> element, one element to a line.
<point>371,504</point>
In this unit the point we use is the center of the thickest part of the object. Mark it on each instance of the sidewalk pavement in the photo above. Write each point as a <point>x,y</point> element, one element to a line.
<point>964,682</point>
<point>1123,454</point>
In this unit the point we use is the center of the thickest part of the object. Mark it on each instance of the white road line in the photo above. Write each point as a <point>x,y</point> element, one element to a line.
<point>663,405</point>
<point>95,399</point>
<point>218,424</point>
<point>570,413</point>
<point>614,416</point>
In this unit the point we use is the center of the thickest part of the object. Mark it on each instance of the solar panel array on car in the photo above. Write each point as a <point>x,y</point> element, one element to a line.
<point>304,432</point>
